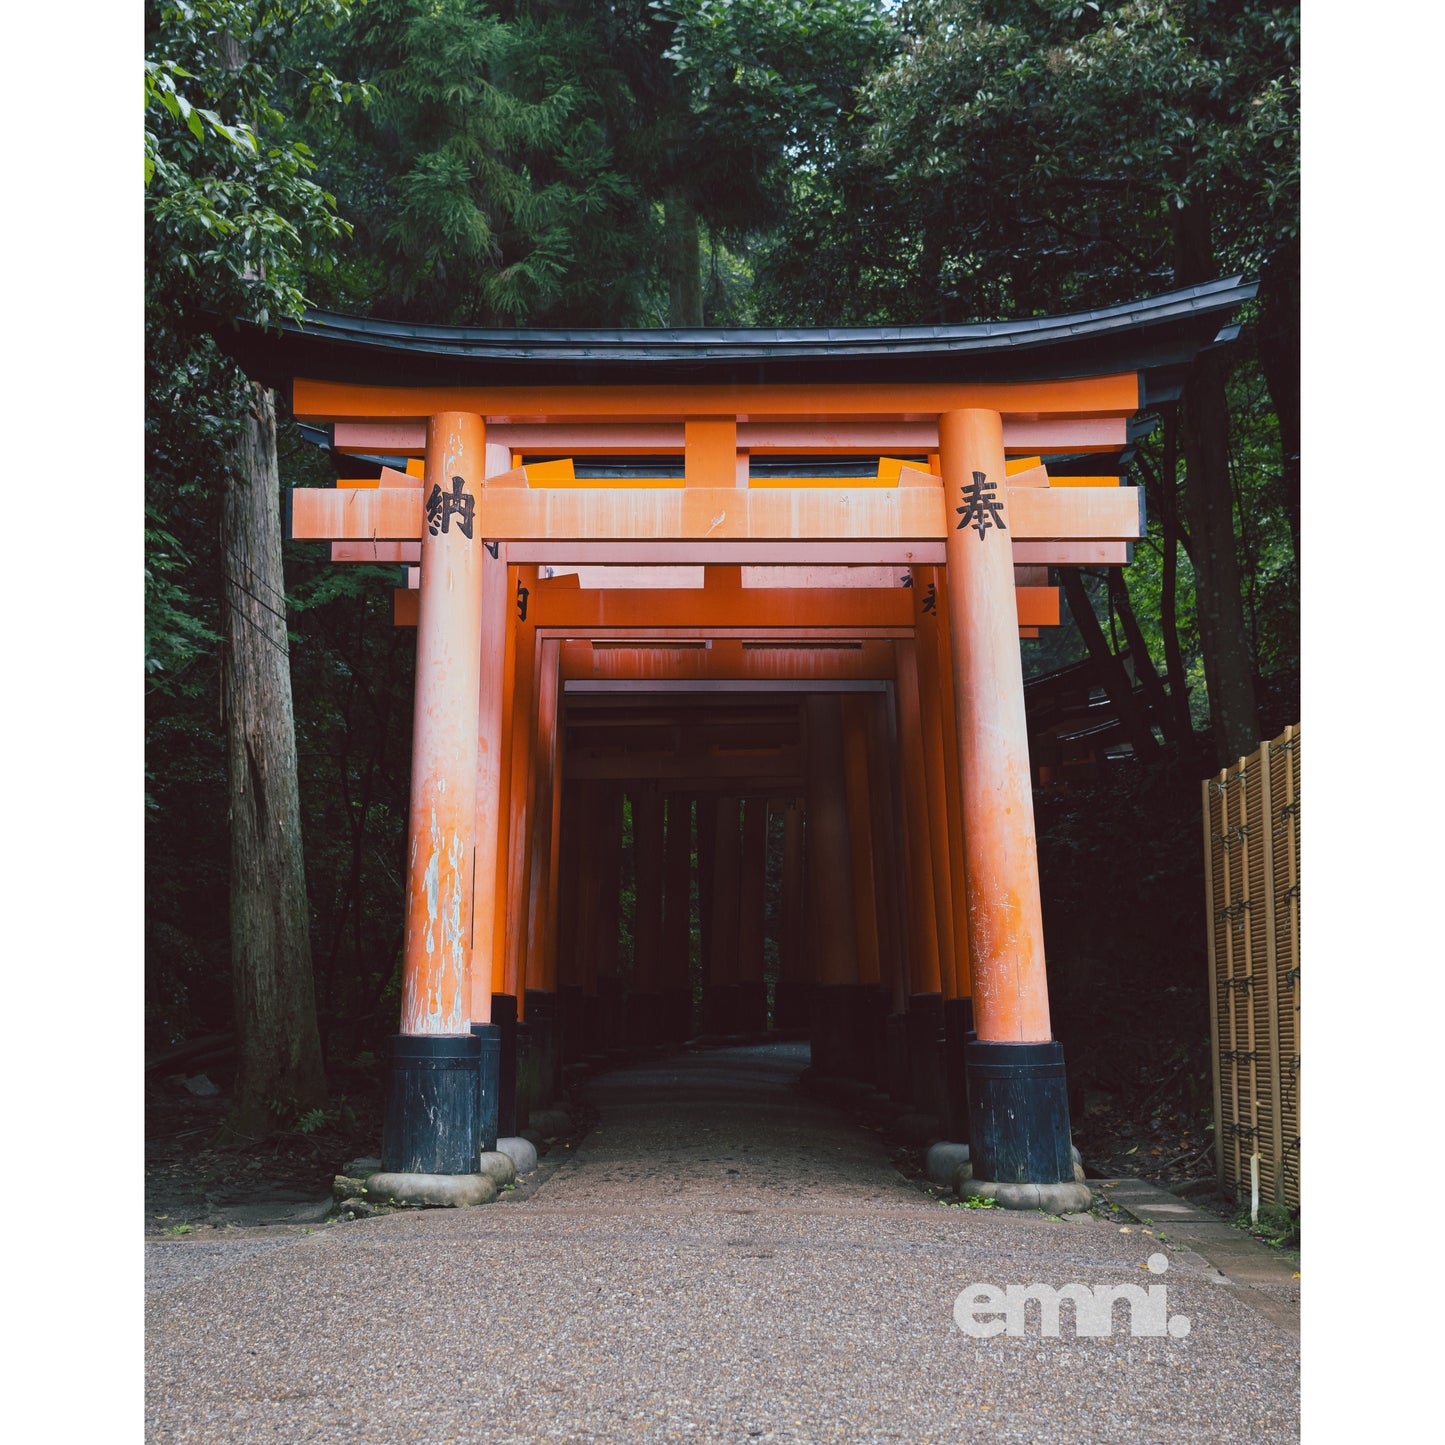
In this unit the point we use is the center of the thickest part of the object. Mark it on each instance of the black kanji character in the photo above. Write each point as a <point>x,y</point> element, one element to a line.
<point>930,602</point>
<point>441,508</point>
<point>523,593</point>
<point>979,510</point>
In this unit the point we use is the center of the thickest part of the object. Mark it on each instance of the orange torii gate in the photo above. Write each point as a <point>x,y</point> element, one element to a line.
<point>945,468</point>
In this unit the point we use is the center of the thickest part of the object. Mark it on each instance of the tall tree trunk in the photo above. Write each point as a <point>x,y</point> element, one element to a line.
<point>1279,348</point>
<point>275,1007</point>
<point>1169,592</point>
<point>1109,668</point>
<point>1209,506</point>
<point>682,255</point>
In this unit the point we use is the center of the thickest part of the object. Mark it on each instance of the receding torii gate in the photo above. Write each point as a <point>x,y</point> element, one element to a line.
<point>917,458</point>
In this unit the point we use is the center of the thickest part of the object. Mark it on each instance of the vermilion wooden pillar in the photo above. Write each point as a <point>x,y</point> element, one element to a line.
<point>536,1070</point>
<point>952,930</point>
<point>489,813</point>
<point>923,920</point>
<point>925,1023</point>
<point>434,1106</point>
<point>1018,1105</point>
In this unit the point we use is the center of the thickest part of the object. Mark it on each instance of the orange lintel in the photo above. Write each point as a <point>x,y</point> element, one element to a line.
<point>713,514</point>
<point>1114,395</point>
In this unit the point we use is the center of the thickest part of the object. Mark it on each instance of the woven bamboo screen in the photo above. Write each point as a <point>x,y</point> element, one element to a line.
<point>1251,843</point>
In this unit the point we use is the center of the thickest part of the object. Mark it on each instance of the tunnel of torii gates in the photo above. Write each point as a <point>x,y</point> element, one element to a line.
<point>732,576</point>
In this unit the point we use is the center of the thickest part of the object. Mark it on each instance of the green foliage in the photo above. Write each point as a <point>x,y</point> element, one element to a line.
<point>233,219</point>
<point>491,144</point>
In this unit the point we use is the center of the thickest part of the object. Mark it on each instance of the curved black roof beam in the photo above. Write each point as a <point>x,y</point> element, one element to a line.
<point>1158,337</point>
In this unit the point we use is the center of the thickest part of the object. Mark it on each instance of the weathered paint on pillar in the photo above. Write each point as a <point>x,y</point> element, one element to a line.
<point>1005,926</point>
<point>442,814</point>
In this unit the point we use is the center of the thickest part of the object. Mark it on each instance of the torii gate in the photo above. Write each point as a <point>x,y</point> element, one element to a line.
<point>513,452</point>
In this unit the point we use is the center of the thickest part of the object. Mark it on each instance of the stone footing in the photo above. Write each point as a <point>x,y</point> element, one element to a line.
<point>1065,1198</point>
<point>435,1191</point>
<point>522,1153</point>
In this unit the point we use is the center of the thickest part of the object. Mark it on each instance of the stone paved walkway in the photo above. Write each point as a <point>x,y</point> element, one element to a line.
<point>722,1259</point>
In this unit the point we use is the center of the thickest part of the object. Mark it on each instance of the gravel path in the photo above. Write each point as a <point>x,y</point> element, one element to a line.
<point>722,1259</point>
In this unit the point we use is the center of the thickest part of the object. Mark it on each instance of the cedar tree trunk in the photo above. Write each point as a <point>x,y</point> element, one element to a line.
<point>278,1044</point>
<point>1209,507</point>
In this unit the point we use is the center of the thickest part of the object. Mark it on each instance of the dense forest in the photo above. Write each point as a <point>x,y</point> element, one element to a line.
<point>713,163</point>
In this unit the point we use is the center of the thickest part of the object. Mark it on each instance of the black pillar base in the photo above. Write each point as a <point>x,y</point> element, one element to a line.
<point>433,1105</point>
<point>504,1015</point>
<point>958,1034</point>
<point>488,1078</point>
<point>542,1019</point>
<point>924,1024</point>
<point>526,1075</point>
<point>1019,1112</point>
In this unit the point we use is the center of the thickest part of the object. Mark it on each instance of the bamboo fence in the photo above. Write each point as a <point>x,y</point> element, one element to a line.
<point>1252,889</point>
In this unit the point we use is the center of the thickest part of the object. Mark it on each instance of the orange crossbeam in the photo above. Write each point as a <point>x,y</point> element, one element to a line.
<point>714,514</point>
<point>1115,395</point>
